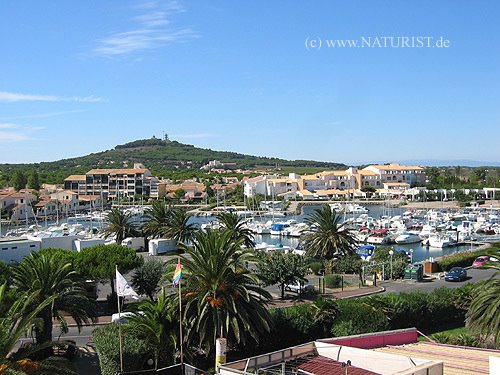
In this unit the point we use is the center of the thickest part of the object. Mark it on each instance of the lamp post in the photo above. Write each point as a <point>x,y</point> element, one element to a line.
<point>411,256</point>
<point>391,253</point>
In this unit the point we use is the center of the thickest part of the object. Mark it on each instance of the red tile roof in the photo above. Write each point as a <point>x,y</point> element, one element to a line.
<point>325,366</point>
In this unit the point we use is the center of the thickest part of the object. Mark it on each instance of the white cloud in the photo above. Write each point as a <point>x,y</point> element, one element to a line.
<point>13,137</point>
<point>42,115</point>
<point>17,133</point>
<point>17,97</point>
<point>7,126</point>
<point>153,30</point>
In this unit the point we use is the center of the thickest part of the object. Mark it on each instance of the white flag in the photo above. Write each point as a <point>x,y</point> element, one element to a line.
<point>122,287</point>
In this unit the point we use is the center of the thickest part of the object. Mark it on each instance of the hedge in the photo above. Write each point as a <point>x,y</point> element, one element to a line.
<point>358,317</point>
<point>297,324</point>
<point>444,306</point>
<point>135,351</point>
<point>465,258</point>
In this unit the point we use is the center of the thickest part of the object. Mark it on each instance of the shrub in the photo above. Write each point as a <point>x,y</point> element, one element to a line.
<point>348,264</point>
<point>417,309</point>
<point>333,281</point>
<point>298,323</point>
<point>463,339</point>
<point>135,351</point>
<point>316,267</point>
<point>464,258</point>
<point>399,262</point>
<point>357,317</point>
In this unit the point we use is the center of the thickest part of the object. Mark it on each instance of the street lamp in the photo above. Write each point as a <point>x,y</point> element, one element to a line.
<point>391,253</point>
<point>411,256</point>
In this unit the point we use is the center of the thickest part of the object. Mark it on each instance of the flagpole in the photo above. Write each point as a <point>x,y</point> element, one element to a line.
<point>180,323</point>
<point>119,324</point>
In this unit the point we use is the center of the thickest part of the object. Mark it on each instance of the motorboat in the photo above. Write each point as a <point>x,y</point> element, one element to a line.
<point>440,241</point>
<point>366,252</point>
<point>378,236</point>
<point>407,237</point>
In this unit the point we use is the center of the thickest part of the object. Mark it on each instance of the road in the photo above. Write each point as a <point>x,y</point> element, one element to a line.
<point>474,275</point>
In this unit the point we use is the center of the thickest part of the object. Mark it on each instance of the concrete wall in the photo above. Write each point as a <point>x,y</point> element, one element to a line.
<point>80,244</point>
<point>16,250</point>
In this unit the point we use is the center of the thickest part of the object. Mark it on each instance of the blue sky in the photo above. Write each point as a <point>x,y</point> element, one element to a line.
<point>245,76</point>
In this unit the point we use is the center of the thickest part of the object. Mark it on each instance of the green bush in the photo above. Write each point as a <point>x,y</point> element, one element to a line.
<point>423,310</point>
<point>348,264</point>
<point>357,317</point>
<point>333,281</point>
<point>135,351</point>
<point>399,262</point>
<point>463,339</point>
<point>465,258</point>
<point>316,267</point>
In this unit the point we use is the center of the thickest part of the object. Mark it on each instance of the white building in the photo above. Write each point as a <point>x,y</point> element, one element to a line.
<point>17,206</point>
<point>256,185</point>
<point>413,175</point>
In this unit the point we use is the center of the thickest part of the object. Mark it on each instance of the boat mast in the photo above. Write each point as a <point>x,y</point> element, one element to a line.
<point>26,205</point>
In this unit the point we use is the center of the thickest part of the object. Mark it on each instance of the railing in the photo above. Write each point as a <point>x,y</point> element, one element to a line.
<point>170,370</point>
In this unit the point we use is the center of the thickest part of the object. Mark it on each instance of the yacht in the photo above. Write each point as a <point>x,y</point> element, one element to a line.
<point>366,252</point>
<point>378,236</point>
<point>440,241</point>
<point>407,237</point>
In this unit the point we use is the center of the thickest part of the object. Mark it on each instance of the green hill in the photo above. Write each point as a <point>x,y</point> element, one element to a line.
<point>170,159</point>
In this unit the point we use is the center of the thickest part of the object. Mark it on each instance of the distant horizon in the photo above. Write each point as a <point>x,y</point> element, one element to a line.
<point>341,80</point>
<point>423,163</point>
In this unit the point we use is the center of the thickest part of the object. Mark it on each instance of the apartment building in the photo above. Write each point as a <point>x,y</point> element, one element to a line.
<point>412,175</point>
<point>112,183</point>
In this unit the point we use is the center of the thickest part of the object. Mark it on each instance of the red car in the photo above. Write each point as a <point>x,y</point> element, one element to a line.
<point>480,261</point>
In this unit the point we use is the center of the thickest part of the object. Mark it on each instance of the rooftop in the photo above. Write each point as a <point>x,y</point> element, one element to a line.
<point>334,356</point>
<point>458,360</point>
<point>117,171</point>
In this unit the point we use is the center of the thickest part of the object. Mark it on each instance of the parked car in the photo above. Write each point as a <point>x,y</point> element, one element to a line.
<point>299,287</point>
<point>456,274</point>
<point>480,261</point>
<point>122,317</point>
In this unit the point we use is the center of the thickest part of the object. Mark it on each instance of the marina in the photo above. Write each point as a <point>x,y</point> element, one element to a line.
<point>423,234</point>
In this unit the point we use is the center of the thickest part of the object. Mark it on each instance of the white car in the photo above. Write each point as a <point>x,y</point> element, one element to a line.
<point>122,317</point>
<point>299,287</point>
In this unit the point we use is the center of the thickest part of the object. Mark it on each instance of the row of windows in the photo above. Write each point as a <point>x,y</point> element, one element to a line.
<point>14,247</point>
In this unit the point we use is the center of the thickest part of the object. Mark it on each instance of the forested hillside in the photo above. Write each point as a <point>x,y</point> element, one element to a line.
<point>163,158</point>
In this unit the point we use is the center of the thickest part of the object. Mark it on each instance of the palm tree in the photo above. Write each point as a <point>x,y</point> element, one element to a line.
<point>330,235</point>
<point>157,324</point>
<point>158,217</point>
<point>483,316</point>
<point>16,321</point>
<point>119,225</point>
<point>46,276</point>
<point>223,297</point>
<point>325,312</point>
<point>236,226</point>
<point>179,228</point>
